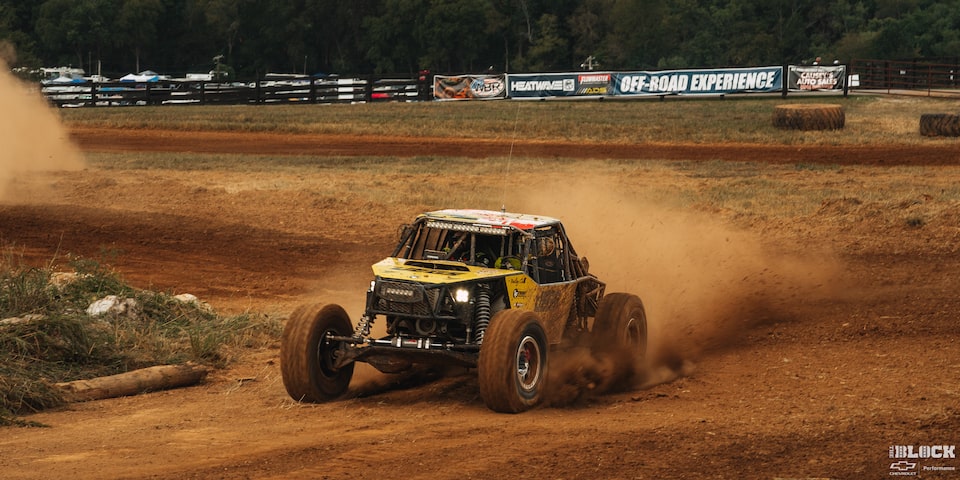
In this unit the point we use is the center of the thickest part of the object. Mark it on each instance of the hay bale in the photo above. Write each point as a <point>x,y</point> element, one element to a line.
<point>808,116</point>
<point>940,125</point>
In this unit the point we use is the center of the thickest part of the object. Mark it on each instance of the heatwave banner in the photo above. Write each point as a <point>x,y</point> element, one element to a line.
<point>559,84</point>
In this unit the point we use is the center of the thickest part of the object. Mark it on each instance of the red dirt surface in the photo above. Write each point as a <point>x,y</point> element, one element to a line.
<point>811,364</point>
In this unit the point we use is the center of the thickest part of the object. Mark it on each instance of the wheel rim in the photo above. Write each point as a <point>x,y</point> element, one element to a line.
<point>326,355</point>
<point>529,364</point>
<point>635,334</point>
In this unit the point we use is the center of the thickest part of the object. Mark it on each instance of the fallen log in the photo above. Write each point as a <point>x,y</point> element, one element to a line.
<point>29,318</point>
<point>161,377</point>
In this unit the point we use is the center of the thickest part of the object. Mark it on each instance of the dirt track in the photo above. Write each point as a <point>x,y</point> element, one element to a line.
<point>803,382</point>
<point>270,143</point>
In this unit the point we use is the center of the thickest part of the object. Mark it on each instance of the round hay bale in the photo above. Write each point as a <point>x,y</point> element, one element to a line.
<point>808,116</point>
<point>940,125</point>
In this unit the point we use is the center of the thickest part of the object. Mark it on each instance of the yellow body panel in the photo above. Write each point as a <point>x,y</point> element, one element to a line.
<point>553,302</point>
<point>398,269</point>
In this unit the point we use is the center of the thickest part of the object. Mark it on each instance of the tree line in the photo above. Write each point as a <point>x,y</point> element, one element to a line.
<point>254,37</point>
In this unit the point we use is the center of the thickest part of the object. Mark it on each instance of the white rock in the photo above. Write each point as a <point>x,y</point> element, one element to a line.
<point>187,298</point>
<point>112,304</point>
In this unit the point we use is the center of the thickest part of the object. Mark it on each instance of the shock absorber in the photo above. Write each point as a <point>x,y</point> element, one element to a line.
<point>363,327</point>
<point>482,312</point>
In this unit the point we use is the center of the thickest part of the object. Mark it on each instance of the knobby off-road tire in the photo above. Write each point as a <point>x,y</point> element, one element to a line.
<point>620,332</point>
<point>808,116</point>
<point>939,125</point>
<point>307,358</point>
<point>513,362</point>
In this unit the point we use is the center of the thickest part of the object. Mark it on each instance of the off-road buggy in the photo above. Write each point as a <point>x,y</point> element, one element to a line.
<point>489,290</point>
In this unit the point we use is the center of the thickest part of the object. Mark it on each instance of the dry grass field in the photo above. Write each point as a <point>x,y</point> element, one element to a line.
<point>802,295</point>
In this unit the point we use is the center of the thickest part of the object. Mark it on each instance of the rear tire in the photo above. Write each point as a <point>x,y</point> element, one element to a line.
<point>621,322</point>
<point>513,362</point>
<point>307,358</point>
<point>620,330</point>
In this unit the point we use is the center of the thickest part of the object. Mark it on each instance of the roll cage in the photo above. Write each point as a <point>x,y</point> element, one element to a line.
<point>543,252</point>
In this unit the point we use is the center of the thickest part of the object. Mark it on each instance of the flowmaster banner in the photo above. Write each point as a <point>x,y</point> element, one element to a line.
<point>463,87</point>
<point>699,82</point>
<point>559,84</point>
<point>816,77</point>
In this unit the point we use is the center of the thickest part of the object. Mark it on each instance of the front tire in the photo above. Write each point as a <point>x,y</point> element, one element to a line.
<point>513,362</point>
<point>307,358</point>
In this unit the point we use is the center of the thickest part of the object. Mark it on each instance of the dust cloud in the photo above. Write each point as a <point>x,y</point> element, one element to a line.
<point>33,138</point>
<point>704,283</point>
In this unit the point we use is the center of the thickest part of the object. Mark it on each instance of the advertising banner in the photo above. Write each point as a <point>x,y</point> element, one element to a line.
<point>560,84</point>
<point>699,82</point>
<point>474,87</point>
<point>816,77</point>
<point>769,79</point>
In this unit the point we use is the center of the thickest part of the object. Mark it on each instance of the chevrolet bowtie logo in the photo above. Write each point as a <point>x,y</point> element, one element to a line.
<point>903,466</point>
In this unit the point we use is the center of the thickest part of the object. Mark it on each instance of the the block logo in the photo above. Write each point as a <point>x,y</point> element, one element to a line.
<point>923,451</point>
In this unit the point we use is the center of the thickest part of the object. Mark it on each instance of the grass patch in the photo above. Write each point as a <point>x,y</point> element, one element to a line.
<point>48,336</point>
<point>869,120</point>
<point>212,162</point>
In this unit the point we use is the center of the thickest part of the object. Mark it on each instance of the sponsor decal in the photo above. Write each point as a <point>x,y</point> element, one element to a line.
<point>469,87</point>
<point>593,91</point>
<point>562,85</point>
<point>594,84</point>
<point>816,78</point>
<point>547,85</point>
<point>939,468</point>
<point>923,451</point>
<point>909,457</point>
<point>521,291</point>
<point>594,78</point>
<point>488,87</point>
<point>903,468</point>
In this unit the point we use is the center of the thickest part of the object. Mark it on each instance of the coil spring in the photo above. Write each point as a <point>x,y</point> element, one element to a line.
<point>363,327</point>
<point>482,313</point>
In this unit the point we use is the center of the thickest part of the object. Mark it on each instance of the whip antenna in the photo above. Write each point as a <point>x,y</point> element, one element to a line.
<point>503,195</point>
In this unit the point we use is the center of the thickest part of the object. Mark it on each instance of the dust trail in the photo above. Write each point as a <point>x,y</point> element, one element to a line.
<point>703,282</point>
<point>32,136</point>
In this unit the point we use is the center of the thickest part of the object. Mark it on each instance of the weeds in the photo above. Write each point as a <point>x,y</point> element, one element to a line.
<point>915,222</point>
<point>48,336</point>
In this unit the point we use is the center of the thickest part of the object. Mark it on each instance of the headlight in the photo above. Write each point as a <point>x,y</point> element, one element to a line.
<point>462,295</point>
